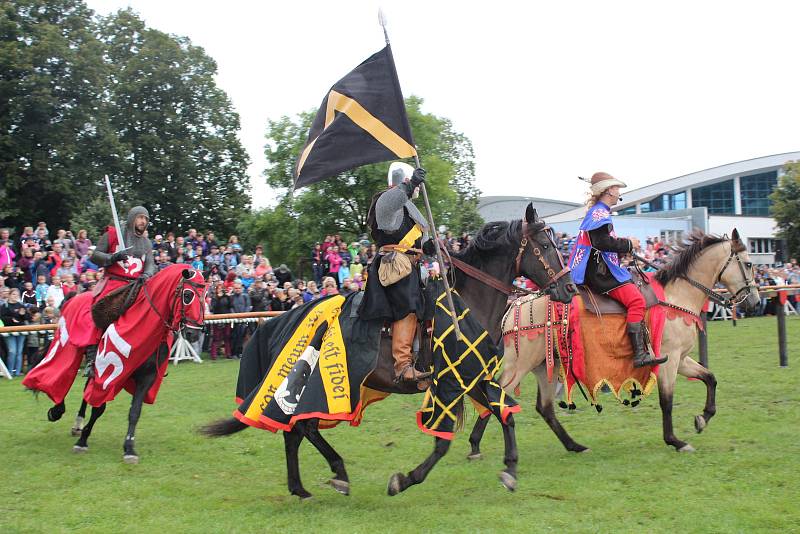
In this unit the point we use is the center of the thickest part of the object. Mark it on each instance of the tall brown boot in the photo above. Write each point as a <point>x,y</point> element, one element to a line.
<point>402,342</point>
<point>641,356</point>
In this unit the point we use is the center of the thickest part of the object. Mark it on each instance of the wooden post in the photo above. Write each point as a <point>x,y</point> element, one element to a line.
<point>703,341</point>
<point>780,313</point>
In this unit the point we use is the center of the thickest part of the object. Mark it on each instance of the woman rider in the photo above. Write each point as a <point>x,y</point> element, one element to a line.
<point>595,262</point>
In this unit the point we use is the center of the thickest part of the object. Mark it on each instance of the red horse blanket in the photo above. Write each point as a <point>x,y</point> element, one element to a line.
<point>123,347</point>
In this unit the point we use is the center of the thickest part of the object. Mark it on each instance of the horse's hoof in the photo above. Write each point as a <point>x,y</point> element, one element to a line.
<point>130,459</point>
<point>508,480</point>
<point>302,494</point>
<point>341,486</point>
<point>76,432</point>
<point>77,449</point>
<point>699,423</point>
<point>55,413</point>
<point>394,485</point>
<point>474,456</point>
<point>581,449</point>
<point>687,448</point>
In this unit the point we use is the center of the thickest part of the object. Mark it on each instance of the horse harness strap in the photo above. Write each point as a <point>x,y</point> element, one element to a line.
<point>489,280</point>
<point>554,320</point>
<point>726,302</point>
<point>508,289</point>
<point>537,252</point>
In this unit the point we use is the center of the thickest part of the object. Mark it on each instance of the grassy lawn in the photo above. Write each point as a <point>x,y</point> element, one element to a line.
<point>744,476</point>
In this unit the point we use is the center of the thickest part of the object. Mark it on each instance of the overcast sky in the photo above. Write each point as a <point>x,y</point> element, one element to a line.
<point>546,91</point>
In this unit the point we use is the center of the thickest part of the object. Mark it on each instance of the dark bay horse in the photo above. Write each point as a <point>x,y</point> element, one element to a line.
<point>501,250</point>
<point>169,301</point>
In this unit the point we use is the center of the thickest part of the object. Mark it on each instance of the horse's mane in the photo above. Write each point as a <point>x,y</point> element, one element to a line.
<point>685,255</point>
<point>493,239</point>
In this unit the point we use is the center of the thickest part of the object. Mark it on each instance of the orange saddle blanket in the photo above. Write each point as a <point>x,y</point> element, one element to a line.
<point>602,354</point>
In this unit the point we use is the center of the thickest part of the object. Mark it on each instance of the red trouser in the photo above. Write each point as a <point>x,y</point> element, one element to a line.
<point>629,296</point>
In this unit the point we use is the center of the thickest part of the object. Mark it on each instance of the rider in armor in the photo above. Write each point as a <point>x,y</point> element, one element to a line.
<point>122,266</point>
<point>398,227</point>
<point>595,262</point>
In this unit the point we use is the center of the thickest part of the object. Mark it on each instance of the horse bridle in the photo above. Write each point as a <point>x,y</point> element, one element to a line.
<point>537,252</point>
<point>178,294</point>
<point>740,294</point>
<point>503,287</point>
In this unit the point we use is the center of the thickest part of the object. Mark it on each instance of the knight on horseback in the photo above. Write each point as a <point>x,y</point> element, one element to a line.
<point>394,289</point>
<point>594,262</point>
<point>121,267</point>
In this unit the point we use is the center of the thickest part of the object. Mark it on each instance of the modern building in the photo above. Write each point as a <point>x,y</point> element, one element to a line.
<point>716,200</point>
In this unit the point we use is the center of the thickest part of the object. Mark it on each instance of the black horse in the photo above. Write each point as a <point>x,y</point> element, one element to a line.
<point>501,250</point>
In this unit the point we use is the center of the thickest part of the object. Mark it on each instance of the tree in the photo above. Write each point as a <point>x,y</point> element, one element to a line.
<point>52,130</point>
<point>340,205</point>
<point>182,157</point>
<point>82,96</point>
<point>786,207</point>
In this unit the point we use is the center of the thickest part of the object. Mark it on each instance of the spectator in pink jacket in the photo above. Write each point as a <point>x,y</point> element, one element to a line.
<point>7,255</point>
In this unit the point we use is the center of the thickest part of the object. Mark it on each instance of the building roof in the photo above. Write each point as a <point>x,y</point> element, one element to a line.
<point>706,176</point>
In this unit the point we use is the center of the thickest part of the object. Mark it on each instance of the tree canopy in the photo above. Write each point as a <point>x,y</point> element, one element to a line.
<point>83,96</point>
<point>786,207</point>
<point>339,205</point>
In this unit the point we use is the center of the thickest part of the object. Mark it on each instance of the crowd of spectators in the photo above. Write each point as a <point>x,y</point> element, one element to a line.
<point>39,270</point>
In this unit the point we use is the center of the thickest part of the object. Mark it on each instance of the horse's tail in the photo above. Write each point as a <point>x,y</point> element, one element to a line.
<point>222,427</point>
<point>459,412</point>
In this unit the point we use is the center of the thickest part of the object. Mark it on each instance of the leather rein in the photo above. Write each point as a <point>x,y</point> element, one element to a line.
<point>724,301</point>
<point>509,289</point>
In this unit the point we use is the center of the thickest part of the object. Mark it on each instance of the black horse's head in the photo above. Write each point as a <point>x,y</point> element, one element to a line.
<point>539,259</point>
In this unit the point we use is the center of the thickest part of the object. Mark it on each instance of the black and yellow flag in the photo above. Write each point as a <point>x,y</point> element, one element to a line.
<point>361,120</point>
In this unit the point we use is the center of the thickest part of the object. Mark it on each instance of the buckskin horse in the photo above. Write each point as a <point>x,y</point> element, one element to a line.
<point>484,272</point>
<point>688,280</point>
<point>132,353</point>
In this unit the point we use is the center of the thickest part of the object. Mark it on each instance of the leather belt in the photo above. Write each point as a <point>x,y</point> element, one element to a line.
<point>385,249</point>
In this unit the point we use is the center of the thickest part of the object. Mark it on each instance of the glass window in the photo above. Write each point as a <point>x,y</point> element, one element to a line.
<point>677,201</point>
<point>762,245</point>
<point>755,190</point>
<point>630,210</point>
<point>718,198</point>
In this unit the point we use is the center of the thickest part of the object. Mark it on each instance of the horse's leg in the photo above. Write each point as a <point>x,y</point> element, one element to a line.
<point>508,476</point>
<point>400,482</point>
<point>144,382</point>
<point>340,482</point>
<point>691,369</point>
<point>56,411</point>
<point>82,444</point>
<point>291,443</point>
<point>666,388</point>
<point>476,436</point>
<point>81,417</point>
<point>545,406</point>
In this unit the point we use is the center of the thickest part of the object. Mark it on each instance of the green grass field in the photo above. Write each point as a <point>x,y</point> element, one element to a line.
<point>743,477</point>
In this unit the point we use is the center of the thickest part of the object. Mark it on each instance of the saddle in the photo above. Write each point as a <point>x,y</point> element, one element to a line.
<point>603,304</point>
<point>111,307</point>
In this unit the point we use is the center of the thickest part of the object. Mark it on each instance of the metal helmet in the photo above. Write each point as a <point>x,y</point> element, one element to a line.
<point>399,172</point>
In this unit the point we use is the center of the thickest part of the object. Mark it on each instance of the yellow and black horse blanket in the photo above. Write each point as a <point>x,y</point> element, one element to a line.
<point>461,367</point>
<point>307,363</point>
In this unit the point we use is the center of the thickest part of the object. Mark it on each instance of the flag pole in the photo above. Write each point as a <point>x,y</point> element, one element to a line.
<point>442,266</point>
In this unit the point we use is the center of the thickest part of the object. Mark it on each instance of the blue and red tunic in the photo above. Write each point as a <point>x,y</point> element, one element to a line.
<point>597,242</point>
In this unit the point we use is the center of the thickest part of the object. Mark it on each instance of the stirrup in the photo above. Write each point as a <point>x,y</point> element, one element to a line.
<point>416,375</point>
<point>648,361</point>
